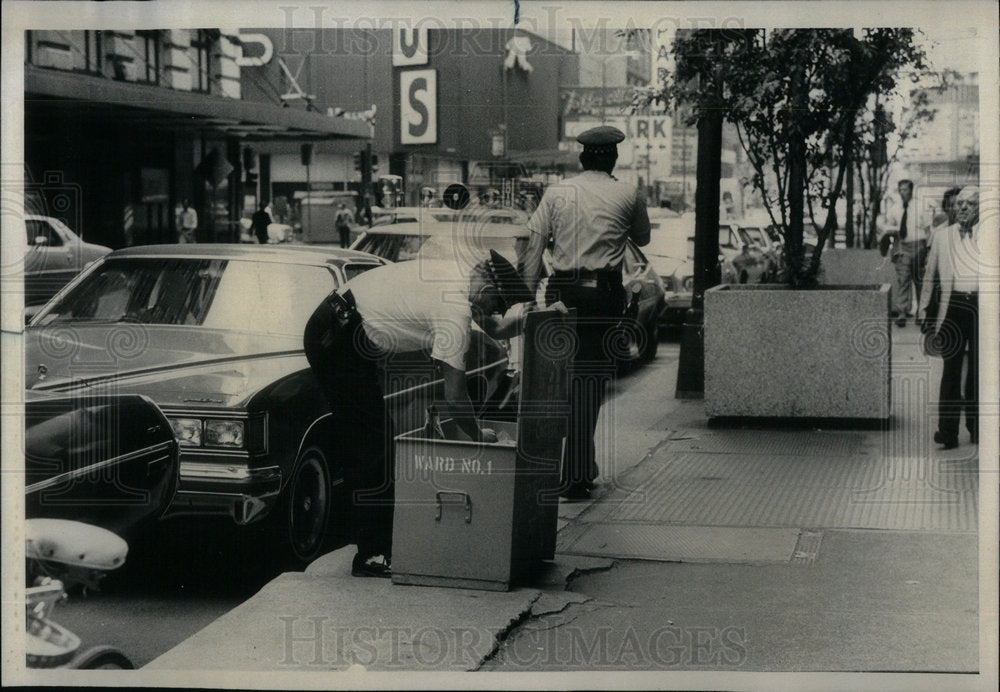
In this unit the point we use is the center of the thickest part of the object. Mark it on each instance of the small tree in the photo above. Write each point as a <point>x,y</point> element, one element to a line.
<point>879,140</point>
<point>794,96</point>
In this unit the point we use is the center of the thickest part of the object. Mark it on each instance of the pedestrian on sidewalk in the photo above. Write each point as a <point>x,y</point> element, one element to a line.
<point>908,238</point>
<point>343,223</point>
<point>385,311</point>
<point>188,224</point>
<point>954,260</point>
<point>259,223</point>
<point>587,219</point>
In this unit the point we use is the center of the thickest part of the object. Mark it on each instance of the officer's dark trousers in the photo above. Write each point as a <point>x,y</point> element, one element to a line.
<point>598,311</point>
<point>346,367</point>
<point>959,335</point>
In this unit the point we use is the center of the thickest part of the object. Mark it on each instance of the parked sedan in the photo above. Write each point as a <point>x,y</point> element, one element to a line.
<point>213,335</point>
<point>54,255</point>
<point>742,262</point>
<point>671,255</point>
<point>107,460</point>
<point>474,235</point>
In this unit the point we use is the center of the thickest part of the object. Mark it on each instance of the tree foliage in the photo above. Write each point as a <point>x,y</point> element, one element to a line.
<point>795,96</point>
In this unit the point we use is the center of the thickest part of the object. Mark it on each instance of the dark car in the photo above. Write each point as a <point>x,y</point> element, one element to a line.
<point>213,335</point>
<point>54,255</point>
<point>473,233</point>
<point>108,460</point>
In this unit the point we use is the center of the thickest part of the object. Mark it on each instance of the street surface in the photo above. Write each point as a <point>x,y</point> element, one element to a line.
<point>197,571</point>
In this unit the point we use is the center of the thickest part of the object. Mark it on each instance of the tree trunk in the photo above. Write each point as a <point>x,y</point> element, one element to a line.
<point>849,221</point>
<point>796,174</point>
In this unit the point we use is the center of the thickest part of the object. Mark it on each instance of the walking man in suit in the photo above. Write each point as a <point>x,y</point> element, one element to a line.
<point>954,257</point>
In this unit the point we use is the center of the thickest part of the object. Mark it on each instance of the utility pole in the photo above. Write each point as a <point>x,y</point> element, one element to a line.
<point>691,365</point>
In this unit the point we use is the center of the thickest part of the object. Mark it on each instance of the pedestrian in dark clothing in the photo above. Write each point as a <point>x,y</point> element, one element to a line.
<point>259,223</point>
<point>588,219</point>
<point>954,259</point>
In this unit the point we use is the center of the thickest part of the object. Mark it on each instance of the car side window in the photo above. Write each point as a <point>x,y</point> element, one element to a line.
<point>352,270</point>
<point>39,228</point>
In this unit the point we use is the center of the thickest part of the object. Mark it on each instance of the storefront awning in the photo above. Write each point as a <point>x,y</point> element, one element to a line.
<point>160,108</point>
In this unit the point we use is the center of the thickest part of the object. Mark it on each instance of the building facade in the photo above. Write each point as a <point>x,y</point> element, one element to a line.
<point>122,126</point>
<point>443,104</point>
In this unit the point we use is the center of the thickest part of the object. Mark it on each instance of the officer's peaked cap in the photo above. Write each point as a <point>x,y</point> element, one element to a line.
<point>601,140</point>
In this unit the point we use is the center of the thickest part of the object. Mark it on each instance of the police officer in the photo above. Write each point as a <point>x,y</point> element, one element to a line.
<point>395,309</point>
<point>587,219</point>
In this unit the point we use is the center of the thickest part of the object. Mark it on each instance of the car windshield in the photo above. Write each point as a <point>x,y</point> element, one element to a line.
<point>726,238</point>
<point>239,295</point>
<point>756,235</point>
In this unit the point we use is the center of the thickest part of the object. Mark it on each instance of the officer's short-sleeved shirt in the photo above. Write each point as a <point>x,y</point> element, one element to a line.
<point>414,306</point>
<point>588,217</point>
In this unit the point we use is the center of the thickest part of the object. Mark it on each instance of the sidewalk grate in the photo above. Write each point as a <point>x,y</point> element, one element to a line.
<point>824,492</point>
<point>671,543</point>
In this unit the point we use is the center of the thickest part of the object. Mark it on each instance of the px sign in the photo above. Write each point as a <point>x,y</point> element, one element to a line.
<point>418,107</point>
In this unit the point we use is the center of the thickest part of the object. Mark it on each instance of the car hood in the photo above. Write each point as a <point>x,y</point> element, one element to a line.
<point>177,366</point>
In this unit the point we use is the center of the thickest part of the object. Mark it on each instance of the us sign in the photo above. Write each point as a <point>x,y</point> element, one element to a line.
<point>409,47</point>
<point>418,107</point>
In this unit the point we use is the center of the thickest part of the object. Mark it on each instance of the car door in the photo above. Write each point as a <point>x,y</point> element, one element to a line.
<point>49,263</point>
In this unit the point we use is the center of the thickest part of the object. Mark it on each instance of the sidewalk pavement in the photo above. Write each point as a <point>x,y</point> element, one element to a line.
<point>706,549</point>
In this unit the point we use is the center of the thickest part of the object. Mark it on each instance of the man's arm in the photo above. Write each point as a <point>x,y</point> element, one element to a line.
<point>459,406</point>
<point>639,230</point>
<point>511,323</point>
<point>530,267</point>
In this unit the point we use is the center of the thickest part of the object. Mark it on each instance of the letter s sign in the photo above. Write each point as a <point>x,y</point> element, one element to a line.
<point>418,107</point>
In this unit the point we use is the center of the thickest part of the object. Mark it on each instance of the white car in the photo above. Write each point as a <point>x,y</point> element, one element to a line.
<point>53,256</point>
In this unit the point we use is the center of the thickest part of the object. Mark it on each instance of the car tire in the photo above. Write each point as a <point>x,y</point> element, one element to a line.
<point>303,521</point>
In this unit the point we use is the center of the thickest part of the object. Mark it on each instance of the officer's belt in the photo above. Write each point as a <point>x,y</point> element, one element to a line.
<point>588,278</point>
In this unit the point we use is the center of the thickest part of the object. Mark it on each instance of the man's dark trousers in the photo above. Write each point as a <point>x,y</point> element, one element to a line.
<point>960,332</point>
<point>599,309</point>
<point>345,363</point>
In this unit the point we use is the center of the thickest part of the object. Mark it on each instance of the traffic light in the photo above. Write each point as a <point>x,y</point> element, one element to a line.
<point>374,164</point>
<point>359,161</point>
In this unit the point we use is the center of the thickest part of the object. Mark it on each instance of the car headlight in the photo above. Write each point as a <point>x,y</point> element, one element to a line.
<point>187,431</point>
<point>688,284</point>
<point>224,433</point>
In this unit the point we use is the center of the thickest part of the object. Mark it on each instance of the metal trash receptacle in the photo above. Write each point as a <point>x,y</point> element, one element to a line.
<point>479,515</point>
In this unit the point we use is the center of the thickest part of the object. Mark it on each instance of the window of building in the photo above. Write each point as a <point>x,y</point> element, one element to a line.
<point>148,45</point>
<point>202,44</point>
<point>92,51</point>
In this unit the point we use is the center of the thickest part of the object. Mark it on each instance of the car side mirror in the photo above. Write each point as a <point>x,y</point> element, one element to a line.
<point>41,240</point>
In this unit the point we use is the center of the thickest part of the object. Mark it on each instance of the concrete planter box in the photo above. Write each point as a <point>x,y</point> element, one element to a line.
<point>779,353</point>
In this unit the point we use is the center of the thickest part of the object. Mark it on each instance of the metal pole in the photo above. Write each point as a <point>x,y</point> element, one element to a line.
<point>691,364</point>
<point>309,211</point>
